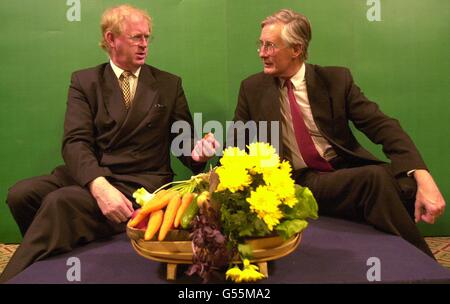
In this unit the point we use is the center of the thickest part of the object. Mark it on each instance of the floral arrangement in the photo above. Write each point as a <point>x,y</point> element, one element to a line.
<point>253,195</point>
<point>250,194</point>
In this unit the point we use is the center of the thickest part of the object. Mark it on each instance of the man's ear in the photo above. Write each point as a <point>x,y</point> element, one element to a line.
<point>297,51</point>
<point>109,38</point>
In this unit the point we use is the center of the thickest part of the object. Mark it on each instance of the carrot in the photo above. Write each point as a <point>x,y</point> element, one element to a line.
<point>140,216</point>
<point>157,196</point>
<point>154,222</point>
<point>185,201</point>
<point>169,216</point>
<point>160,203</point>
<point>151,206</point>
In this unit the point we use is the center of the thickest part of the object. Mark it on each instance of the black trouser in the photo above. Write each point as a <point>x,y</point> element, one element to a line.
<point>368,193</point>
<point>54,215</point>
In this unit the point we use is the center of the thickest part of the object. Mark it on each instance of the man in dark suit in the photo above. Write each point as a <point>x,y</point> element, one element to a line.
<point>117,136</point>
<point>314,106</point>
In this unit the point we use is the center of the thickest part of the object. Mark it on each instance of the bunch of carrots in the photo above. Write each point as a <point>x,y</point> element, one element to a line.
<point>164,209</point>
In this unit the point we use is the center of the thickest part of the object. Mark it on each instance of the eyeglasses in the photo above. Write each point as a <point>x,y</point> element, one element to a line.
<point>136,39</point>
<point>268,47</point>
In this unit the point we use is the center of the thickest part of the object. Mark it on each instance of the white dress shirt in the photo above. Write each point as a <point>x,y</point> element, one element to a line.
<point>289,142</point>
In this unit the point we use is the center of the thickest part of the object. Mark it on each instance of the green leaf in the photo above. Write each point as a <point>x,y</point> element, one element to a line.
<point>288,228</point>
<point>237,219</point>
<point>244,230</point>
<point>260,227</point>
<point>245,251</point>
<point>305,208</point>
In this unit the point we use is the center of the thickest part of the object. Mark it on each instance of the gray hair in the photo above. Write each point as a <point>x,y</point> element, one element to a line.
<point>296,30</point>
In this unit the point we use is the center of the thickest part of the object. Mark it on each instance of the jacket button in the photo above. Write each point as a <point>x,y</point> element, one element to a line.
<point>149,125</point>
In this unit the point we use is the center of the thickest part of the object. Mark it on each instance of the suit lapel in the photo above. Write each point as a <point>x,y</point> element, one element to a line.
<point>144,98</point>
<point>112,96</point>
<point>319,101</point>
<point>270,107</point>
<point>270,99</point>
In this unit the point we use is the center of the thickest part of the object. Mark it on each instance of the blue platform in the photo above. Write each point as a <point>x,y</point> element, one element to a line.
<point>332,251</point>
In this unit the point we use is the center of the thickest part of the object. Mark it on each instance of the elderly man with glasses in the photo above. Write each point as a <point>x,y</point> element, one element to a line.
<point>314,106</point>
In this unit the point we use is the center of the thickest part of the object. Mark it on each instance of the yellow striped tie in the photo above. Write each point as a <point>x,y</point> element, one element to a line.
<point>126,90</point>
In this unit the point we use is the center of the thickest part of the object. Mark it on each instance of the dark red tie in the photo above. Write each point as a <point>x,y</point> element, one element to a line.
<point>305,143</point>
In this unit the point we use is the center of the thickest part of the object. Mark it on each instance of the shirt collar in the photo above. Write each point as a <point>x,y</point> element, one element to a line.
<point>118,71</point>
<point>297,79</point>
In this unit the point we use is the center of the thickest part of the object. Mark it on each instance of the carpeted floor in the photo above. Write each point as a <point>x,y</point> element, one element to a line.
<point>6,251</point>
<point>440,246</point>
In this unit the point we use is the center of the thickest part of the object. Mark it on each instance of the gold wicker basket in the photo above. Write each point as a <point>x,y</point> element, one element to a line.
<point>177,249</point>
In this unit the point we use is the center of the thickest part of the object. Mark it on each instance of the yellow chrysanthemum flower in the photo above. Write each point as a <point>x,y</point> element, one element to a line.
<point>233,157</point>
<point>285,167</point>
<point>265,204</point>
<point>262,156</point>
<point>280,183</point>
<point>290,201</point>
<point>233,179</point>
<point>251,272</point>
<point>248,274</point>
<point>233,273</point>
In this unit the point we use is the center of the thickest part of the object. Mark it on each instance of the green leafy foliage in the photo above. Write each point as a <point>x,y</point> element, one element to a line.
<point>305,208</point>
<point>245,251</point>
<point>238,222</point>
<point>289,228</point>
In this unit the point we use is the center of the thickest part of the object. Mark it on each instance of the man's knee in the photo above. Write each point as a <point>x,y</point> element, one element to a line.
<point>376,176</point>
<point>57,198</point>
<point>402,188</point>
<point>20,193</point>
<point>405,185</point>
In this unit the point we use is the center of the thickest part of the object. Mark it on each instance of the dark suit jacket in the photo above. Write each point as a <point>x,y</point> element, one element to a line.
<point>335,102</point>
<point>102,139</point>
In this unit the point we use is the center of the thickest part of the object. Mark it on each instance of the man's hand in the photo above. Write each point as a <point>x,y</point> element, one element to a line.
<point>113,204</point>
<point>205,148</point>
<point>429,201</point>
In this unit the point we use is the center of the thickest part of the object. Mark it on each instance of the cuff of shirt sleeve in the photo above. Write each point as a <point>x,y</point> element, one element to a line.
<point>410,172</point>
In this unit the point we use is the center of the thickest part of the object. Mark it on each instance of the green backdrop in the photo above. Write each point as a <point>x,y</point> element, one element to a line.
<point>397,50</point>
